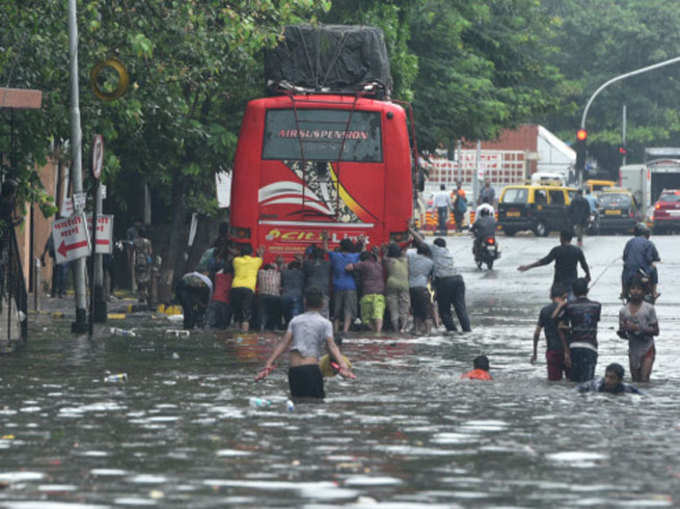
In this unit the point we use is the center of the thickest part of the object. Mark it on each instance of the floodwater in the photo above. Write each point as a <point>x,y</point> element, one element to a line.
<point>407,433</point>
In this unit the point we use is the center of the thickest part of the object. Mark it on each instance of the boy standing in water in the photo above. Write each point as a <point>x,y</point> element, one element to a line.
<point>638,324</point>
<point>554,354</point>
<point>305,336</point>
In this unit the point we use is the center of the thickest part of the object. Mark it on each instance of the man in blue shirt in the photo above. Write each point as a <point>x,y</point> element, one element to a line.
<point>638,254</point>
<point>344,286</point>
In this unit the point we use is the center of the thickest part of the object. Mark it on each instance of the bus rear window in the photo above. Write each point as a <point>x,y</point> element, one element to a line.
<point>317,135</point>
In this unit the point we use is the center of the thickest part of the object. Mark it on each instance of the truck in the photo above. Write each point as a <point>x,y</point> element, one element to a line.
<point>646,181</point>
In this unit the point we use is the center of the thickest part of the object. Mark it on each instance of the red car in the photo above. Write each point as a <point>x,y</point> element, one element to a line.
<point>667,211</point>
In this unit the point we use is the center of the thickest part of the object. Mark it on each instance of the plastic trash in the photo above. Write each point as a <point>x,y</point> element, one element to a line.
<point>178,333</point>
<point>290,405</point>
<point>117,378</point>
<point>259,402</point>
<point>123,332</point>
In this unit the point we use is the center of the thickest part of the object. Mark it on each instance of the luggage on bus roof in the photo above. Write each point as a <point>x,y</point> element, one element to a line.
<point>333,58</point>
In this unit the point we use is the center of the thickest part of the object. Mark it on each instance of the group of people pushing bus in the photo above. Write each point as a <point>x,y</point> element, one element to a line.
<point>351,280</point>
<point>235,283</point>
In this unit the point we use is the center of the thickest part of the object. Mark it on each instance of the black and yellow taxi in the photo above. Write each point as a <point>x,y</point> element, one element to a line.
<point>618,210</point>
<point>538,208</point>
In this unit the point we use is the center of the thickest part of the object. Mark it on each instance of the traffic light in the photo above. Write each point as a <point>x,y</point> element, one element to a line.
<point>580,147</point>
<point>623,151</point>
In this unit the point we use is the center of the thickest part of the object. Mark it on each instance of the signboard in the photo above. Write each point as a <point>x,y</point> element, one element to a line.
<point>79,200</point>
<point>97,156</point>
<point>223,187</point>
<point>70,239</point>
<point>104,235</point>
<point>67,207</point>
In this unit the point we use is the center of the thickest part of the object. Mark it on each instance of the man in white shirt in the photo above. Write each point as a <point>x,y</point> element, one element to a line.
<point>442,202</point>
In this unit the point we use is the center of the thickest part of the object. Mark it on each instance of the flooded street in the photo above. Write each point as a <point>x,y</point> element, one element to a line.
<point>407,433</point>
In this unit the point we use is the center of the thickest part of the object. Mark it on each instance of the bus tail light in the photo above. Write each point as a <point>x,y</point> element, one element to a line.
<point>240,233</point>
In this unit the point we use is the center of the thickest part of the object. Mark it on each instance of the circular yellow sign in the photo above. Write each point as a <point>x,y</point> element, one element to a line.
<point>123,79</point>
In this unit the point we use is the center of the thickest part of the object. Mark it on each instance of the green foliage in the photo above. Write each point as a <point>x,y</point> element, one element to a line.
<point>601,39</point>
<point>482,67</point>
<point>192,64</point>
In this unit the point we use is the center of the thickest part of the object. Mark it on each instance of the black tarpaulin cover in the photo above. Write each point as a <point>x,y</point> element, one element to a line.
<point>329,57</point>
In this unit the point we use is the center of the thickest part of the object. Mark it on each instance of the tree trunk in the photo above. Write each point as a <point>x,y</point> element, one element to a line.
<point>175,244</point>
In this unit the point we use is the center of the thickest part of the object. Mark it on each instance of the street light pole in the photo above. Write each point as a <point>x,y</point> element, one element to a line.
<point>80,325</point>
<point>621,77</point>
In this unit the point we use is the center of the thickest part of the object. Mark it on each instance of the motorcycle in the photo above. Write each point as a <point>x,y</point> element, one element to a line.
<point>486,252</point>
<point>649,295</point>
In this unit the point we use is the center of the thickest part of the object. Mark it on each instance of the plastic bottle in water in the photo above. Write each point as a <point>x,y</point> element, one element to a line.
<point>122,332</point>
<point>117,378</point>
<point>178,333</point>
<point>290,405</point>
<point>259,402</point>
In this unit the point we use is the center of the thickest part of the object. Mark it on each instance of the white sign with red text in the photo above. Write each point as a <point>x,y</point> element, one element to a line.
<point>104,235</point>
<point>70,239</point>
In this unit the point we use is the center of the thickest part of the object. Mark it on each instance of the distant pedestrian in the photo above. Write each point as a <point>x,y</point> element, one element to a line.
<point>554,354</point>
<point>566,257</point>
<point>442,202</point>
<point>243,284</point>
<point>577,328</point>
<point>344,286</point>
<point>579,214</point>
<point>292,289</point>
<point>459,205</point>
<point>396,287</point>
<point>449,284</point>
<point>611,383</point>
<point>305,337</point>
<point>194,292</point>
<point>269,297</point>
<point>480,369</point>
<point>219,309</point>
<point>372,302</point>
<point>317,274</point>
<point>487,194</point>
<point>59,270</point>
<point>143,263</point>
<point>638,324</point>
<point>420,274</point>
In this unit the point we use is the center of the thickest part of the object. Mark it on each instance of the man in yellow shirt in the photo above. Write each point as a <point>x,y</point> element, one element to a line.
<point>243,284</point>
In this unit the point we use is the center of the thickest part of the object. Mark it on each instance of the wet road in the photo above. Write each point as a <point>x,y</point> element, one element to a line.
<point>407,433</point>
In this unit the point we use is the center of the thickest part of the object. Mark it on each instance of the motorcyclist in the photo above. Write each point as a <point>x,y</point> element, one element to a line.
<point>639,254</point>
<point>483,228</point>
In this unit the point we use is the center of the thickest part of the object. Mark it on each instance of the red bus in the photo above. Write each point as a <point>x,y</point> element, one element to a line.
<point>309,163</point>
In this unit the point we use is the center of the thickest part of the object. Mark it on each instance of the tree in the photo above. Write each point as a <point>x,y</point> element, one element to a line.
<point>620,37</point>
<point>482,67</point>
<point>193,65</point>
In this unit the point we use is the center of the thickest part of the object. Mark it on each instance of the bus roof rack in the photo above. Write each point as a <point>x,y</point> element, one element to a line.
<point>341,59</point>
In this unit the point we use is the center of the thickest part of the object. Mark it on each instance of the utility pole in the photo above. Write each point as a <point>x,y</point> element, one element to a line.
<point>623,149</point>
<point>80,325</point>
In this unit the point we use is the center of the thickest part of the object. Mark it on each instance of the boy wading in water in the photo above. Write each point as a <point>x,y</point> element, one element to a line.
<point>305,337</point>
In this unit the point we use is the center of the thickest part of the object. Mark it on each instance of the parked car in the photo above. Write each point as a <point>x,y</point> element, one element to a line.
<point>618,210</point>
<point>667,211</point>
<point>538,208</point>
<point>596,185</point>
